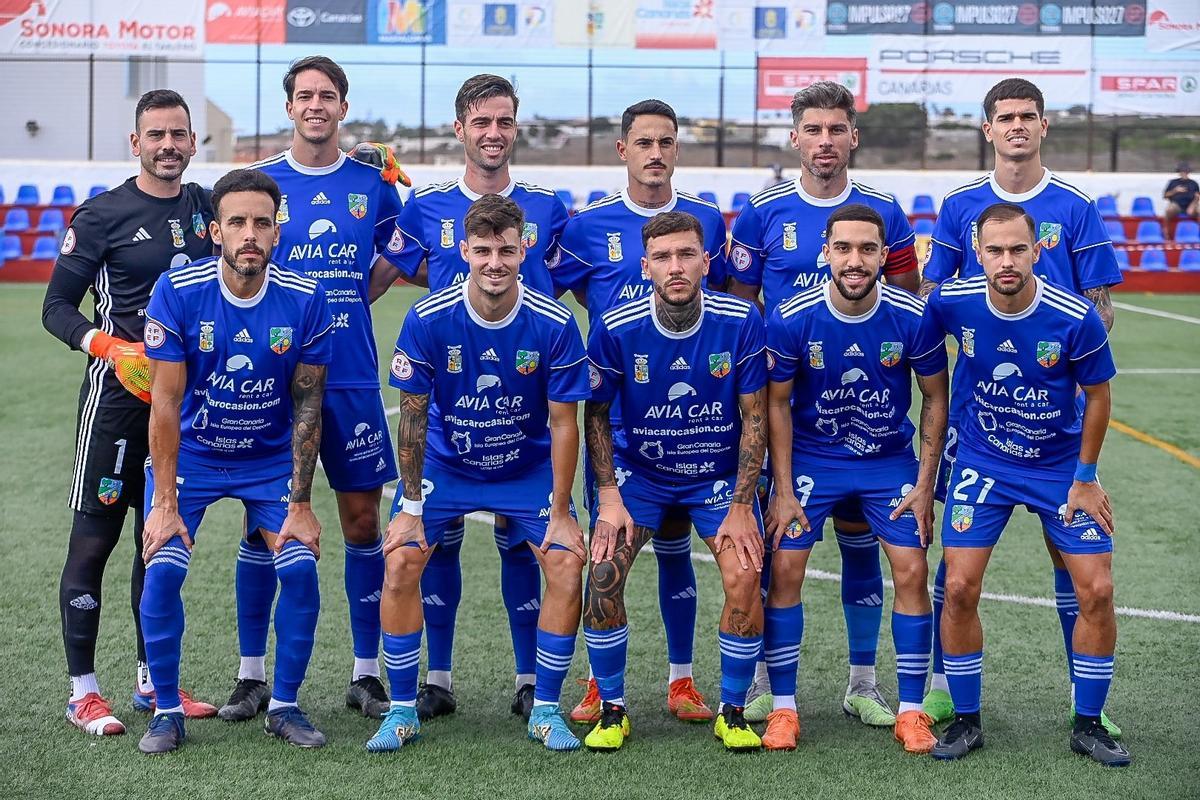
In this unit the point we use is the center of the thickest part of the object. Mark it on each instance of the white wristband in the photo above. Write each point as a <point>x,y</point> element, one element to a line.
<point>413,507</point>
<point>86,343</point>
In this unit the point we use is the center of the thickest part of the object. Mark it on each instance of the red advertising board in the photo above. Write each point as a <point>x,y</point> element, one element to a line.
<point>779,78</point>
<point>245,21</point>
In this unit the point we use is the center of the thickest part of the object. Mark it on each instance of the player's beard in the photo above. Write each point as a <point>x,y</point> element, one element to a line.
<point>1008,291</point>
<point>677,315</point>
<point>245,271</point>
<point>475,154</point>
<point>150,163</point>
<point>826,172</point>
<point>855,294</point>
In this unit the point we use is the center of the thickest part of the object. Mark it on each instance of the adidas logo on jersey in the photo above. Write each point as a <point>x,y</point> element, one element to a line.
<point>686,594</point>
<point>142,235</point>
<point>853,350</point>
<point>1090,535</point>
<point>1006,347</point>
<point>373,597</point>
<point>85,602</point>
<point>489,355</point>
<point>381,466</point>
<point>243,337</point>
<point>320,199</point>
<point>680,363</point>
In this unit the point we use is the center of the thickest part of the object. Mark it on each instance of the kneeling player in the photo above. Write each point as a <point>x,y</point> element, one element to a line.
<point>1025,346</point>
<point>841,356</point>
<point>697,445</point>
<point>238,349</point>
<point>490,373</point>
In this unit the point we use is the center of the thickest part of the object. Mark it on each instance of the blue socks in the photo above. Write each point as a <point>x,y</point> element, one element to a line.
<point>606,653</point>
<point>677,596</point>
<point>862,594</point>
<point>162,619</point>
<point>738,656</point>
<point>783,630</point>
<point>554,652</point>
<point>254,589</point>
<point>1068,610</point>
<point>402,657</point>
<point>965,675</point>
<point>364,586</point>
<point>441,591</point>
<point>295,619</point>
<point>521,589</point>
<point>913,637</point>
<point>939,600</point>
<point>1093,675</point>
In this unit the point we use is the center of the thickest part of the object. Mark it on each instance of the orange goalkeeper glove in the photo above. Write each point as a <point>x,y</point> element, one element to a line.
<point>382,158</point>
<point>127,360</point>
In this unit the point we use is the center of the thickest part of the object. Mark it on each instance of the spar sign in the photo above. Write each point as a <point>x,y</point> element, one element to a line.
<point>82,27</point>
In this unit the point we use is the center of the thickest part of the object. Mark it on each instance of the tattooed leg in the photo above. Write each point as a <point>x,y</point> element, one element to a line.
<point>606,584</point>
<point>743,612</point>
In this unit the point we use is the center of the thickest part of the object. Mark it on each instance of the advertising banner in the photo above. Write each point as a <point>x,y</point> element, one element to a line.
<point>325,22</point>
<point>245,21</point>
<point>594,23</point>
<point>771,25</point>
<point>675,24</point>
<point>988,18</point>
<point>1147,87</point>
<point>406,22</point>
<point>83,27</point>
<point>780,78</point>
<point>473,23</point>
<point>1173,25</point>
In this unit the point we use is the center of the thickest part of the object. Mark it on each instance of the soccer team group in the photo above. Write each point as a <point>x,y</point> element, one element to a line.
<point>752,387</point>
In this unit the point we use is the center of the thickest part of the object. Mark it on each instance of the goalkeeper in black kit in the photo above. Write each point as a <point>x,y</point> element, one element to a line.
<point>117,245</point>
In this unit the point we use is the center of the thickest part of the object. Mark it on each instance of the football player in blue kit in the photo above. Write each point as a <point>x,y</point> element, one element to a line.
<point>427,252</point>
<point>777,250</point>
<point>490,373</point>
<point>1076,255</point>
<point>238,348</point>
<point>1025,347</point>
<point>688,368</point>
<point>841,359</point>
<point>601,262</point>
<point>335,215</point>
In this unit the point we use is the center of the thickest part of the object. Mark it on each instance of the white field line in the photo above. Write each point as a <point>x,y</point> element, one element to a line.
<point>1162,371</point>
<point>1154,312</point>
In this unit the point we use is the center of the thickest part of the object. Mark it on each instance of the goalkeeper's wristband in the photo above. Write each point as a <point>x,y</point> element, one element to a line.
<point>85,344</point>
<point>412,507</point>
<point>101,344</point>
<point>1085,473</point>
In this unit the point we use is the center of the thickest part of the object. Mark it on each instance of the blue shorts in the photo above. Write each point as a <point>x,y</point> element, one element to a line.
<point>264,493</point>
<point>450,495</point>
<point>356,446</point>
<point>875,490</point>
<point>590,498</point>
<point>651,500</point>
<point>981,500</point>
<point>848,510</point>
<point>949,452</point>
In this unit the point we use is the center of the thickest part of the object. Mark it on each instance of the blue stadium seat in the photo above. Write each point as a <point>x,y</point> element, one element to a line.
<point>1107,205</point>
<point>923,227</point>
<point>1149,232</point>
<point>16,220</point>
<point>12,247</point>
<point>1116,231</point>
<point>1123,260</point>
<point>1187,231</point>
<point>567,198</point>
<point>27,195</point>
<point>63,196</point>
<point>740,199</point>
<point>596,194</point>
<point>99,188</point>
<point>1143,207</point>
<point>1189,261</point>
<point>1,195</point>
<point>710,197</point>
<point>45,248</point>
<point>923,204</point>
<point>51,221</point>
<point>1154,260</point>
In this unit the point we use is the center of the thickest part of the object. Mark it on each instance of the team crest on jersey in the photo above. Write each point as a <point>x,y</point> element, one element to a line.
<point>198,225</point>
<point>890,352</point>
<point>1049,234</point>
<point>110,490</point>
<point>281,339</point>
<point>719,364</point>
<point>282,215</point>
<point>1048,353</point>
<point>968,341</point>
<point>816,356</point>
<point>358,205</point>
<point>961,518</point>
<point>614,247</point>
<point>789,236</point>
<point>527,361</point>
<point>401,366</point>
<point>68,245</point>
<point>206,336</point>
<point>529,234</point>
<point>447,233</point>
<point>594,378</point>
<point>396,243</point>
<point>454,358</point>
<point>176,233</point>
<point>641,368</point>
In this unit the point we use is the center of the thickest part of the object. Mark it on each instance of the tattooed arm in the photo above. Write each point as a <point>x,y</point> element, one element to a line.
<point>611,514</point>
<point>739,530</point>
<point>935,404</point>
<point>1101,298</point>
<point>308,387</point>
<point>926,288</point>
<point>411,439</point>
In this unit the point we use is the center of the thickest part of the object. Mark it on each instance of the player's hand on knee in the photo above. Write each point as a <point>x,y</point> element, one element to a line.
<point>919,501</point>
<point>162,525</point>
<point>787,518</point>
<point>300,525</point>
<point>564,530</point>
<point>405,529</point>
<point>1090,498</point>
<point>740,531</point>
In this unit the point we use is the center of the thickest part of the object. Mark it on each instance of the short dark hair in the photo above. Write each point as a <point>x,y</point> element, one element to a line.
<point>244,180</point>
<point>323,64</point>
<point>482,87</point>
<point>647,108</point>
<point>825,95</point>
<point>1004,212</point>
<point>160,98</point>
<point>1012,89</point>
<point>671,222</point>
<point>856,212</point>
<point>492,215</point>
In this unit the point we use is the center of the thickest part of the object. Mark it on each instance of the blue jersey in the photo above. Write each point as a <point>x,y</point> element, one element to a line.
<point>852,385</point>
<point>490,383</point>
<point>240,356</point>
<point>602,249</point>
<point>1016,375</point>
<point>778,236</point>
<point>1077,253</point>
<point>333,221</point>
<point>432,226</point>
<point>678,391</point>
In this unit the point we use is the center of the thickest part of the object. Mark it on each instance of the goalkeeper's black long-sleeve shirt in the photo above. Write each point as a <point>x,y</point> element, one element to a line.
<point>117,245</point>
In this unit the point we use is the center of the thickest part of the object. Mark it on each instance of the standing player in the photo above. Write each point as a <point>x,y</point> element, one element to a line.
<point>601,260</point>
<point>1025,346</point>
<point>335,215</point>
<point>777,248</point>
<point>427,252</point>
<point>842,355</point>
<point>490,372</point>
<point>118,243</point>
<point>697,445</point>
<point>1076,255</point>
<point>238,349</point>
